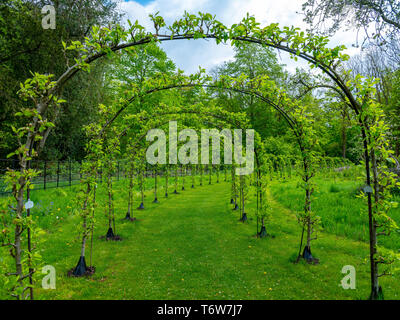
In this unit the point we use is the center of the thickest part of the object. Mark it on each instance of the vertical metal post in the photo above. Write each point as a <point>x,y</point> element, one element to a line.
<point>44,174</point>
<point>70,173</point>
<point>28,213</point>
<point>58,172</point>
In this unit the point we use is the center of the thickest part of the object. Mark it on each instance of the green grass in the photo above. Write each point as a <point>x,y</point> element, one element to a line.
<point>191,246</point>
<point>335,201</point>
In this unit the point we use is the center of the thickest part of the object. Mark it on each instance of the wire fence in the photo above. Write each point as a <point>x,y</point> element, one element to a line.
<point>57,174</point>
<point>53,174</point>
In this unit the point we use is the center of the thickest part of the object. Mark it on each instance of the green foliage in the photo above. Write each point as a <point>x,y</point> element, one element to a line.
<point>25,47</point>
<point>36,90</point>
<point>383,180</point>
<point>154,73</point>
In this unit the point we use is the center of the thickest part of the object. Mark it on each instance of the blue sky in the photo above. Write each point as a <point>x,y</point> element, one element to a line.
<point>142,2</point>
<point>190,54</point>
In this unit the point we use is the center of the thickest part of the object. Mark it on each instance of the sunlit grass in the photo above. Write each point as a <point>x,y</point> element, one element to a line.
<point>336,202</point>
<point>191,246</point>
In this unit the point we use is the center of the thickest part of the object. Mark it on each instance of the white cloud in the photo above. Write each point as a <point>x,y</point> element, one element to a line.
<point>189,55</point>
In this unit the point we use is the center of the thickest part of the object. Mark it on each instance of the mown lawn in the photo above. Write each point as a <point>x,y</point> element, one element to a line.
<point>191,246</point>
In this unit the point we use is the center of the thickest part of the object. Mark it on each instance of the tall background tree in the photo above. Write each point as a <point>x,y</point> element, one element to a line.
<point>378,26</point>
<point>26,47</point>
<point>378,19</point>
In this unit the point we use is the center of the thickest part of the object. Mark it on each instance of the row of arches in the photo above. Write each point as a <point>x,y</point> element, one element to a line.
<point>313,49</point>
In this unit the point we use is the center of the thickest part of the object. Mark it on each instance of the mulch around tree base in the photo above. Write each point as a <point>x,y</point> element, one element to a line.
<point>114,238</point>
<point>257,235</point>
<point>313,260</point>
<point>89,272</point>
<point>129,219</point>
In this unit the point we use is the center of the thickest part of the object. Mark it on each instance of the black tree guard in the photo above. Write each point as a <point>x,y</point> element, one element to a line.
<point>141,207</point>
<point>263,232</point>
<point>243,218</point>
<point>128,216</point>
<point>110,234</point>
<point>307,255</point>
<point>80,268</point>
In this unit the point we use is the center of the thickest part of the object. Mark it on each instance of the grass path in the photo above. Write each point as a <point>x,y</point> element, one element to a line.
<point>191,246</point>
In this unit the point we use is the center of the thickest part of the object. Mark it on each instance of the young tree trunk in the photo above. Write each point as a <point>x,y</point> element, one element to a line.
<point>344,135</point>
<point>142,187</point>
<point>18,227</point>
<point>371,221</point>
<point>84,236</point>
<point>80,268</point>
<point>18,253</point>
<point>240,198</point>
<point>243,217</point>
<point>110,203</point>
<point>373,237</point>
<point>19,195</point>
<point>128,213</point>
<point>308,210</point>
<point>257,192</point>
<point>183,172</point>
<point>176,179</point>
<point>92,226</point>
<point>166,183</point>
<point>130,195</point>
<point>234,189</point>
<point>111,231</point>
<point>193,173</point>
<point>243,199</point>
<point>155,187</point>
